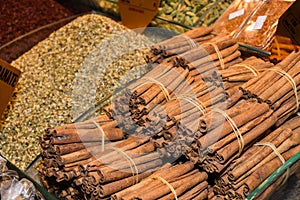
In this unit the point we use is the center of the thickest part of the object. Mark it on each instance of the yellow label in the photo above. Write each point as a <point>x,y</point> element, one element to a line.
<point>9,77</point>
<point>138,13</point>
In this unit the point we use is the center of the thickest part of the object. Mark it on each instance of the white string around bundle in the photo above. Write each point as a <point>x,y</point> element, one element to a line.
<point>290,79</point>
<point>217,50</point>
<point>235,129</point>
<point>251,68</point>
<point>161,86</point>
<point>277,153</point>
<point>191,41</point>
<point>133,167</point>
<point>195,102</point>
<point>102,135</point>
<point>167,184</point>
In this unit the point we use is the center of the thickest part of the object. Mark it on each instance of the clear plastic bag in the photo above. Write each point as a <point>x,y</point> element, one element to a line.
<point>11,188</point>
<point>236,16</point>
<point>260,29</point>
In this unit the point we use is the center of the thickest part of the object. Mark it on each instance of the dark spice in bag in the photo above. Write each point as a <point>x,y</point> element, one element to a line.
<point>235,16</point>
<point>261,27</point>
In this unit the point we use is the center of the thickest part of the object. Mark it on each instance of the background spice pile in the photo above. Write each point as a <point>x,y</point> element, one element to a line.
<point>36,13</point>
<point>45,97</point>
<point>17,19</point>
<point>189,13</point>
<point>178,16</point>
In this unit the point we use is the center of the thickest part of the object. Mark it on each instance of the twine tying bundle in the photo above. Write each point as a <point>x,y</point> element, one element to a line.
<point>290,79</point>
<point>161,86</point>
<point>191,41</point>
<point>167,184</point>
<point>102,135</point>
<point>194,101</point>
<point>251,68</point>
<point>235,129</point>
<point>133,167</point>
<point>277,153</point>
<point>218,53</point>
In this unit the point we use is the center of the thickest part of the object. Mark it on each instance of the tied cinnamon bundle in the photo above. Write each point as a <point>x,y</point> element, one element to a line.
<point>179,44</point>
<point>179,108</point>
<point>213,54</point>
<point>259,161</point>
<point>278,87</point>
<point>80,153</point>
<point>271,97</point>
<point>150,105</point>
<point>156,87</point>
<point>105,178</point>
<point>240,73</point>
<point>136,110</point>
<point>173,124</point>
<point>182,125</point>
<point>226,133</point>
<point>73,167</point>
<point>179,181</point>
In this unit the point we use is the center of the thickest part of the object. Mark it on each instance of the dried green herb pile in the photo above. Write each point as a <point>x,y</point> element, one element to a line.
<point>62,76</point>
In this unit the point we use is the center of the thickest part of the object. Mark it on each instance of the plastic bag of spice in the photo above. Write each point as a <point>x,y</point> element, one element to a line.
<point>12,188</point>
<point>259,30</point>
<point>236,16</point>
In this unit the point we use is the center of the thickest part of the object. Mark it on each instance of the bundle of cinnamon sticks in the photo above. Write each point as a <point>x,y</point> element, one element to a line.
<point>214,150</point>
<point>225,134</point>
<point>271,97</point>
<point>94,159</point>
<point>147,107</point>
<point>181,115</point>
<point>240,73</point>
<point>219,53</point>
<point>180,181</point>
<point>68,143</point>
<point>74,153</point>
<point>278,87</point>
<point>183,123</point>
<point>75,169</point>
<point>179,44</point>
<point>259,161</point>
<point>119,169</point>
<point>203,102</point>
<point>185,73</point>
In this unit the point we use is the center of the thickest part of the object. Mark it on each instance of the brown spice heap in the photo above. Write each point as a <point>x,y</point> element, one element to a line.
<point>18,18</point>
<point>23,25</point>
